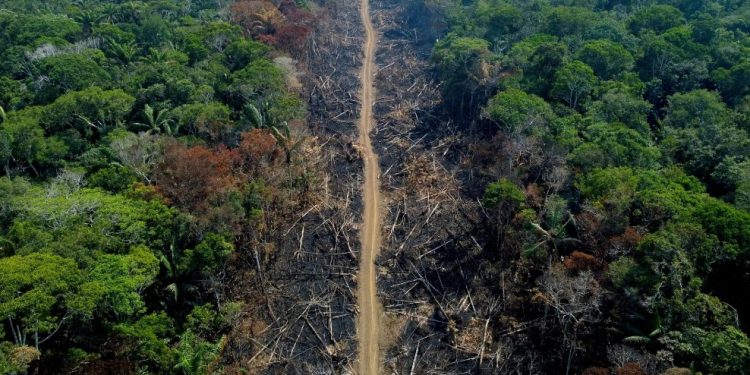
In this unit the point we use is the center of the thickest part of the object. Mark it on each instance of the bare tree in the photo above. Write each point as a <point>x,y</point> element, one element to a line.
<point>139,152</point>
<point>575,302</point>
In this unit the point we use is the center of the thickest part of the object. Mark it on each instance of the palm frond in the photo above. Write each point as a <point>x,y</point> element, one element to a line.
<point>256,118</point>
<point>173,290</point>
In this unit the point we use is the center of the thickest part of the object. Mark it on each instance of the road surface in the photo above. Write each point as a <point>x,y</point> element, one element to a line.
<point>368,321</point>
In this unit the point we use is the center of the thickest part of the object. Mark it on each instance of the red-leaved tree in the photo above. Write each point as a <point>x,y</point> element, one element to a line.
<point>256,17</point>
<point>190,176</point>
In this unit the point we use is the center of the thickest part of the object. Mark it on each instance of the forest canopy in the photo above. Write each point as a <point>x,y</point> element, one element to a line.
<point>627,123</point>
<point>154,160</point>
<point>136,144</point>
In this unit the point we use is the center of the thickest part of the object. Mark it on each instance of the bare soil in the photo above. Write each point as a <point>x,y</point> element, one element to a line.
<point>368,321</point>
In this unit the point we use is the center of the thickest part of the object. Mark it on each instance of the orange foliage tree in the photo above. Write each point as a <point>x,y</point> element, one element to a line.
<point>630,368</point>
<point>193,177</point>
<point>579,261</point>
<point>595,371</point>
<point>286,27</point>
<point>256,17</point>
<point>189,176</point>
<point>292,38</point>
<point>257,146</point>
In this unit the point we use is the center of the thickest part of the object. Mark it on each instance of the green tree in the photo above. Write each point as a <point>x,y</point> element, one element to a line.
<point>503,192</point>
<point>195,355</point>
<point>677,257</point>
<point>462,63</point>
<point>24,144</point>
<point>729,224</point>
<point>618,105</point>
<point>92,110</point>
<point>154,31</point>
<point>699,131</point>
<point>33,295</point>
<point>16,359</point>
<point>734,82</point>
<point>124,52</point>
<point>610,145</point>
<point>259,82</point>
<point>242,52</point>
<point>6,151</point>
<point>212,120</point>
<point>733,174</point>
<point>58,212</point>
<point>574,83</point>
<point>696,109</point>
<point>659,58</point>
<point>608,59</point>
<point>209,256</point>
<point>518,112</point>
<point>24,29</point>
<point>568,21</point>
<point>115,283</point>
<point>542,66</point>
<point>725,352</point>
<point>147,342</point>
<point>499,20</point>
<point>114,178</point>
<point>519,55</point>
<point>287,140</point>
<point>71,72</point>
<point>658,18</point>
<point>648,197</point>
<point>503,199</point>
<point>88,18</point>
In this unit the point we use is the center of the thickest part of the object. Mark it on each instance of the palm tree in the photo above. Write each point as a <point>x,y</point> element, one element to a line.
<point>172,264</point>
<point>87,18</point>
<point>124,52</point>
<point>257,119</point>
<point>3,116</point>
<point>109,13</point>
<point>554,236</point>
<point>130,12</point>
<point>155,56</point>
<point>282,132</point>
<point>195,355</point>
<point>158,121</point>
<point>288,142</point>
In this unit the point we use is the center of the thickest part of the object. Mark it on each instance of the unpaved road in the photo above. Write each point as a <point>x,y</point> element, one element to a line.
<point>368,321</point>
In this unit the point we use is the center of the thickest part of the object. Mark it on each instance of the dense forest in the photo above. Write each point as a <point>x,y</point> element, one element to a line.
<point>565,186</point>
<point>141,144</point>
<point>617,176</point>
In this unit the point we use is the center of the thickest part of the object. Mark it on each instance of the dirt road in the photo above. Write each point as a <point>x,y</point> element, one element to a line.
<point>368,321</point>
